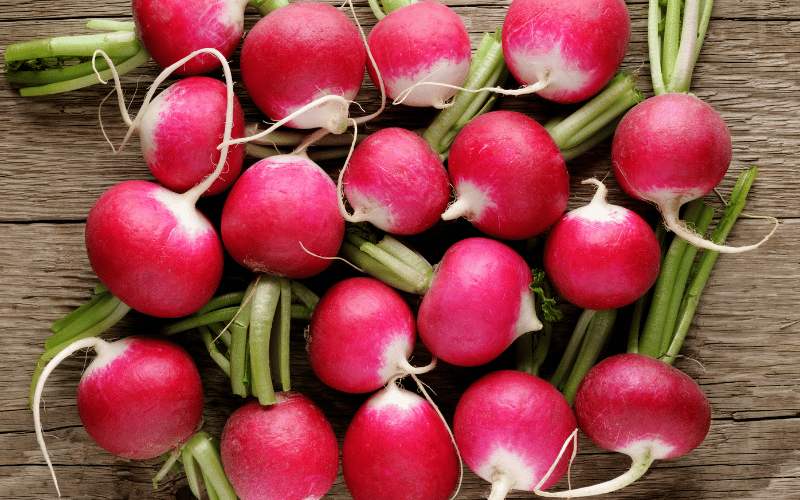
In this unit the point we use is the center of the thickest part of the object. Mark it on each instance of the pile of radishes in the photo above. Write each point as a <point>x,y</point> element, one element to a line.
<point>285,220</point>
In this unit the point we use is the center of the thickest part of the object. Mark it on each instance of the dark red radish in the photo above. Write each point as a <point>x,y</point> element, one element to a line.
<point>170,30</point>
<point>479,301</point>
<point>360,336</point>
<point>424,41</point>
<point>671,149</point>
<point>283,451</point>
<point>640,406</point>
<point>181,129</point>
<point>299,53</point>
<point>565,50</point>
<point>601,256</point>
<point>509,176</point>
<point>398,447</point>
<point>516,431</point>
<point>282,218</point>
<point>139,398</point>
<point>395,181</point>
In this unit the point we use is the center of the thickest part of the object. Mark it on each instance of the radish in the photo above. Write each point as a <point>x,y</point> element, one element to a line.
<point>479,301</point>
<point>299,53</point>
<point>395,181</point>
<point>139,398</point>
<point>181,129</point>
<point>398,447</point>
<point>509,176</point>
<point>284,451</point>
<point>170,30</point>
<point>671,149</point>
<point>640,406</point>
<point>565,51</point>
<point>512,428</point>
<point>361,335</point>
<point>419,41</point>
<point>601,256</point>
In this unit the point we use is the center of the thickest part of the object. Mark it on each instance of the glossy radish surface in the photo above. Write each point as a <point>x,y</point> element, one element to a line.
<point>567,49</point>
<point>181,130</point>
<point>283,451</point>
<point>509,177</point>
<point>424,41</point>
<point>282,217</point>
<point>602,256</point>
<point>396,181</point>
<point>478,303</point>
<point>299,53</point>
<point>397,447</point>
<point>510,427</point>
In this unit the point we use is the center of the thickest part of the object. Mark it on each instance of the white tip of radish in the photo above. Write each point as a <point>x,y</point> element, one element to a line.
<point>528,321</point>
<point>550,71</point>
<point>433,89</point>
<point>470,202</point>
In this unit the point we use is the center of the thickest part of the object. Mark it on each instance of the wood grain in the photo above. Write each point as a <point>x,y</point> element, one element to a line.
<point>743,347</point>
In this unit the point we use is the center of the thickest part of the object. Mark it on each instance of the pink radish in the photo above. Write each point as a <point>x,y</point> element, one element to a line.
<point>299,53</point>
<point>397,447</point>
<point>512,429</point>
<point>361,335</point>
<point>420,41</point>
<point>139,398</point>
<point>283,451</point>
<point>601,256</point>
<point>282,217</point>
<point>479,301</point>
<point>640,406</point>
<point>509,176</point>
<point>152,247</point>
<point>671,149</point>
<point>565,50</point>
<point>181,130</point>
<point>395,181</point>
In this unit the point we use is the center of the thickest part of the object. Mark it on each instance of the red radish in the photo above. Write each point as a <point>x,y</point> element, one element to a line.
<point>139,398</point>
<point>601,256</point>
<point>479,301</point>
<point>509,176</point>
<point>424,41</point>
<point>640,406</point>
<point>283,451</point>
<point>299,53</point>
<point>397,447</point>
<point>512,429</point>
<point>181,129</point>
<point>395,181</point>
<point>282,217</point>
<point>671,149</point>
<point>361,335</point>
<point>565,50</point>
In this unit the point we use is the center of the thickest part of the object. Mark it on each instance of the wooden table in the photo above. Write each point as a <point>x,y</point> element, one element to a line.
<point>743,348</point>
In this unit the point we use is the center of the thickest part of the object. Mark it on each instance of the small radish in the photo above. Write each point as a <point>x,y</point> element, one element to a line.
<point>479,301</point>
<point>640,406</point>
<point>283,451</point>
<point>282,217</point>
<point>601,256</point>
<point>398,447</point>
<point>181,129</point>
<point>565,50</point>
<point>395,181</point>
<point>509,176</point>
<point>361,335</point>
<point>171,29</point>
<point>420,41</point>
<point>299,53</point>
<point>139,398</point>
<point>671,149</point>
<point>512,429</point>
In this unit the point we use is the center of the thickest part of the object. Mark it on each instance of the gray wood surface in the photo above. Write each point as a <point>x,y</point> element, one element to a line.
<point>743,347</point>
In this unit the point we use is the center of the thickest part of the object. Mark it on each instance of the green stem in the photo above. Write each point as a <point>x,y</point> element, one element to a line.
<point>238,350</point>
<point>594,342</point>
<point>559,377</point>
<point>224,314</point>
<point>211,345</point>
<point>264,7</point>
<point>281,335</point>
<point>708,258</point>
<point>266,296</point>
<point>643,302</point>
